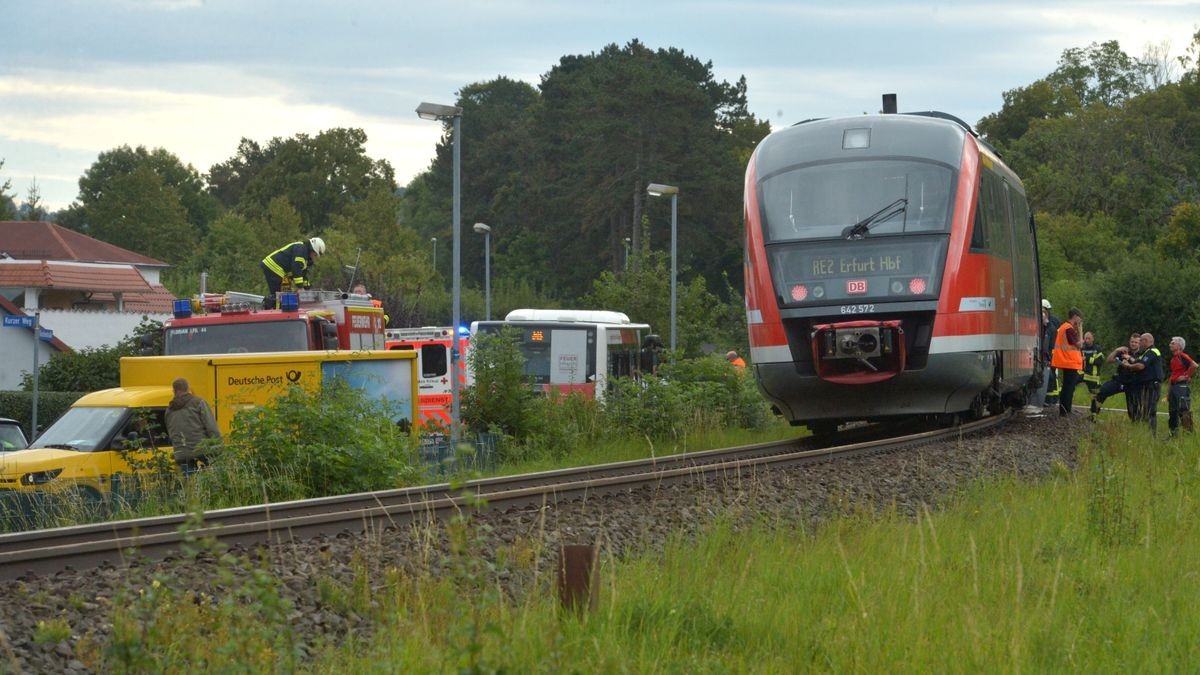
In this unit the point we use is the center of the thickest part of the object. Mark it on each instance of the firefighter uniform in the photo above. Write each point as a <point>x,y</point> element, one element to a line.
<point>291,263</point>
<point>1093,361</point>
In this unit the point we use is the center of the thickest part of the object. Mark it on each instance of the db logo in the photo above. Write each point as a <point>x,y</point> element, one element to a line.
<point>856,286</point>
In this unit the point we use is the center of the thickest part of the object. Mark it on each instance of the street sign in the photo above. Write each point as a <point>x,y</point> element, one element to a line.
<point>45,334</point>
<point>19,321</point>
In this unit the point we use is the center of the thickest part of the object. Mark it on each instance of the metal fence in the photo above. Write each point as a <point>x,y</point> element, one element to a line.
<point>474,454</point>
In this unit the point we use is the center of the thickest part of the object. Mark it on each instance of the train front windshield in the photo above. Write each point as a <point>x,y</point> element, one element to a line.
<point>851,233</point>
<point>827,199</point>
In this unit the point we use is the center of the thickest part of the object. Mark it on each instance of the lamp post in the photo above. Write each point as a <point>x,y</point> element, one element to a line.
<point>433,240</point>
<point>486,231</point>
<point>659,190</point>
<point>436,111</point>
<point>626,254</point>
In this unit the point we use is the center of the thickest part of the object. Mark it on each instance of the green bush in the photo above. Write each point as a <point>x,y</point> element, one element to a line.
<point>501,398</point>
<point>335,441</point>
<point>18,405</point>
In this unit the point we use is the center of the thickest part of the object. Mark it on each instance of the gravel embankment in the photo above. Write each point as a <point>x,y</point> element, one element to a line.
<point>624,524</point>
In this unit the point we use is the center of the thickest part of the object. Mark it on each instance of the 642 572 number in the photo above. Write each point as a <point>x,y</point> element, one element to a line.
<point>857,309</point>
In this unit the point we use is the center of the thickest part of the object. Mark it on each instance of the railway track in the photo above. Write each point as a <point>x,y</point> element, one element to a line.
<point>82,547</point>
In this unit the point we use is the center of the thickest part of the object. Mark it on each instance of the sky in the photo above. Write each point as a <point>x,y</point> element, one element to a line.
<point>78,78</point>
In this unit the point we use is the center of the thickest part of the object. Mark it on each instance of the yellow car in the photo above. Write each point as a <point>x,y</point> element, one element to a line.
<point>104,437</point>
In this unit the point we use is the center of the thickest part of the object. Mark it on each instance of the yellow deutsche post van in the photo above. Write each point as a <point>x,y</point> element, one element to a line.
<point>88,448</point>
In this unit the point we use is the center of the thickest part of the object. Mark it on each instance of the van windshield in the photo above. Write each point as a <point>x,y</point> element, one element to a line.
<point>83,429</point>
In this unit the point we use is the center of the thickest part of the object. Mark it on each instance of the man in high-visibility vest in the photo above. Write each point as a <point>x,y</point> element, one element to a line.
<point>292,263</point>
<point>1067,358</point>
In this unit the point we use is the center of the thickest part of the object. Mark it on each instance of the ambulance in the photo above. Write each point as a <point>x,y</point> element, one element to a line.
<point>432,345</point>
<point>110,434</point>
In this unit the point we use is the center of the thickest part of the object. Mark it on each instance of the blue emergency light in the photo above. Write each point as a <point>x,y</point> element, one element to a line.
<point>289,302</point>
<point>183,308</point>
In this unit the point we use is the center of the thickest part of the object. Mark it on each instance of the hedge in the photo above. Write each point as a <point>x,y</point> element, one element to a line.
<point>18,405</point>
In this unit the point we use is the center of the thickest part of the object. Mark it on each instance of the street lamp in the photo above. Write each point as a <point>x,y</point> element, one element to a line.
<point>486,231</point>
<point>660,190</point>
<point>433,240</point>
<point>627,254</point>
<point>435,111</point>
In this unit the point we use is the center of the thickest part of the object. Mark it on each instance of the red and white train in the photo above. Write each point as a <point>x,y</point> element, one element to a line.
<point>891,271</point>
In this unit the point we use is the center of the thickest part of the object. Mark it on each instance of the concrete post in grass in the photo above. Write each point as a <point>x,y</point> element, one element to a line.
<point>578,587</point>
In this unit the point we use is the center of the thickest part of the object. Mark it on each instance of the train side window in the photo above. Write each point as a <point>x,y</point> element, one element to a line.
<point>979,242</point>
<point>433,360</point>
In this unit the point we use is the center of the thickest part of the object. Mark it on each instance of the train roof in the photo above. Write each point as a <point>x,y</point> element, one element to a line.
<point>938,137</point>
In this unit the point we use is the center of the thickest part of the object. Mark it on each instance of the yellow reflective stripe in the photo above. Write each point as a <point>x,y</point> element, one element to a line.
<point>273,266</point>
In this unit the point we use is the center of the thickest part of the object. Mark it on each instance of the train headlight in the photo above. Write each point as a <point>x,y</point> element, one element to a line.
<point>917,286</point>
<point>818,292</point>
<point>799,292</point>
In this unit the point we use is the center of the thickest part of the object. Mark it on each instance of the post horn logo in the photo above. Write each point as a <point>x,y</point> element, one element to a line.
<point>293,376</point>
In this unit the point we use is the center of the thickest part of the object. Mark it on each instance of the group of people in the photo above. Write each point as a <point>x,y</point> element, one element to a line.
<point>1074,357</point>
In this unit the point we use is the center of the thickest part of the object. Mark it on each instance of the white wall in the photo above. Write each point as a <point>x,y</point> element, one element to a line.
<point>16,355</point>
<point>93,328</point>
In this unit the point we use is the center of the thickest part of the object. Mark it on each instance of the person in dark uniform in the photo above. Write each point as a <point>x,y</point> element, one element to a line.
<point>1179,396</point>
<point>1122,380</point>
<point>292,263</point>
<point>1093,361</point>
<point>1051,324</point>
<point>1147,383</point>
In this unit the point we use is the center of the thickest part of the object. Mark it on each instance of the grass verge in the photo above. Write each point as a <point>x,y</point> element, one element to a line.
<point>1091,571</point>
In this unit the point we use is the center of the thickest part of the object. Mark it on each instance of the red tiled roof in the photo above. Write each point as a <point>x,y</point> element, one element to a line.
<point>71,277</point>
<point>158,300</point>
<point>40,240</point>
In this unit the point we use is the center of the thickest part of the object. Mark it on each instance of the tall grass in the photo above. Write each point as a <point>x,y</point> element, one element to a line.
<point>1090,571</point>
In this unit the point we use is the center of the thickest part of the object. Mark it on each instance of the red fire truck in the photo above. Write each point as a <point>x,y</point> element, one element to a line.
<point>432,345</point>
<point>223,323</point>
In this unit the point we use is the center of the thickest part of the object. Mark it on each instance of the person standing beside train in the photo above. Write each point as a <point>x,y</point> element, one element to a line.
<point>1050,326</point>
<point>1147,383</point>
<point>1093,361</point>
<point>1067,359</point>
<point>1179,396</point>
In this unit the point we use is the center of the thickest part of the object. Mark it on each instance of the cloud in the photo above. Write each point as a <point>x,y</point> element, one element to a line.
<point>202,124</point>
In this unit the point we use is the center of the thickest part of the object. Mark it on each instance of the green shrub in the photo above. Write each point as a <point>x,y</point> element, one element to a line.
<point>95,368</point>
<point>501,398</point>
<point>335,441</point>
<point>18,405</point>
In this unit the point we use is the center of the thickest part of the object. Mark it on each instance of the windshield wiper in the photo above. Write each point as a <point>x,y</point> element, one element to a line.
<point>60,446</point>
<point>859,229</point>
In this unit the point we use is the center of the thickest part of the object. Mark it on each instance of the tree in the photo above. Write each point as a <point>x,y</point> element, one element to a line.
<point>8,207</point>
<point>320,176</point>
<point>32,209</point>
<point>1101,73</point>
<point>140,212</point>
<point>96,184</point>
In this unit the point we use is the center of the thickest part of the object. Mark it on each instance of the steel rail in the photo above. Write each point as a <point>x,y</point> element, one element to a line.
<point>88,546</point>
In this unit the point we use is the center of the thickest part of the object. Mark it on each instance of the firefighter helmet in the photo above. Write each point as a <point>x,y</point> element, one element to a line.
<point>318,245</point>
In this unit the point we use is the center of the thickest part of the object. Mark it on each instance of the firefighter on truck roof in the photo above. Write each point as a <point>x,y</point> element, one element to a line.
<point>292,263</point>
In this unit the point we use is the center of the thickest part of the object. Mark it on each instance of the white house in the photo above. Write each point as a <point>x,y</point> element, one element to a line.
<point>88,292</point>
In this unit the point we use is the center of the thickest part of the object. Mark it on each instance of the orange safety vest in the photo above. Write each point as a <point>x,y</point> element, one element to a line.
<point>1066,355</point>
